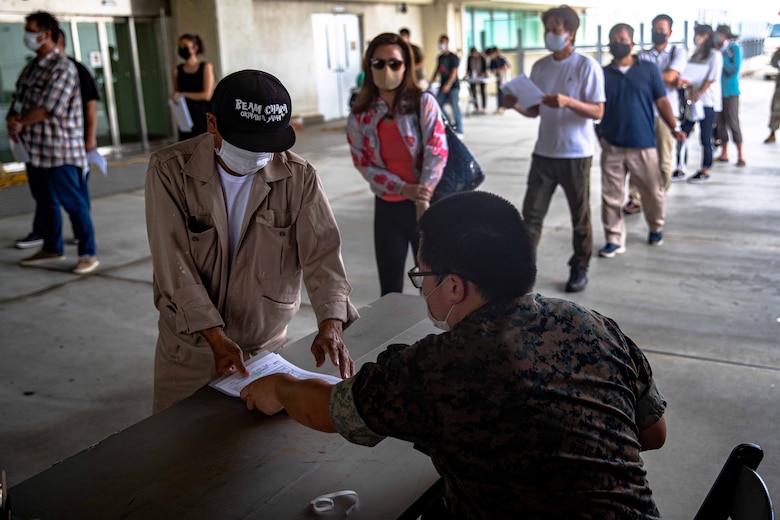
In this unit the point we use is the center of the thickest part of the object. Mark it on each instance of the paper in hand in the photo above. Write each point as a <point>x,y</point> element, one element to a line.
<point>264,364</point>
<point>18,150</point>
<point>94,158</point>
<point>181,114</point>
<point>526,92</point>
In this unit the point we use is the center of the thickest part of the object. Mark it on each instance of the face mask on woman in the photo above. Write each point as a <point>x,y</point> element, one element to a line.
<point>240,161</point>
<point>387,74</point>
<point>184,52</point>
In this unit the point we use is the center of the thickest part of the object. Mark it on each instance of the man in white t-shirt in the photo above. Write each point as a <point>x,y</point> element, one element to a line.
<point>574,96</point>
<point>671,59</point>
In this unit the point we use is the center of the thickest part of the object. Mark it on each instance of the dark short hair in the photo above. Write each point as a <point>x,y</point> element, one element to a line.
<point>444,37</point>
<point>664,18</point>
<point>726,31</point>
<point>408,94</point>
<point>481,237</point>
<point>45,22</point>
<point>571,22</point>
<point>196,40</point>
<point>403,30</point>
<point>620,27</point>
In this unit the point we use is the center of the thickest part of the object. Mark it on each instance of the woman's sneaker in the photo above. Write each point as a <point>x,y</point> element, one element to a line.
<point>678,175</point>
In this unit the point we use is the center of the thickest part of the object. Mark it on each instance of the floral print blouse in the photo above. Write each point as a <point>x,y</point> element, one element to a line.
<point>429,149</point>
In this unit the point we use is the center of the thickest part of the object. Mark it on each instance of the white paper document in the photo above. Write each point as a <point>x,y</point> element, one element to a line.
<point>526,92</point>
<point>696,73</point>
<point>95,159</point>
<point>263,365</point>
<point>19,151</point>
<point>181,114</point>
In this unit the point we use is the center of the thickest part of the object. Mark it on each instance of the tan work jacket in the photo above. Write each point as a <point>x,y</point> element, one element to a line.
<point>288,231</point>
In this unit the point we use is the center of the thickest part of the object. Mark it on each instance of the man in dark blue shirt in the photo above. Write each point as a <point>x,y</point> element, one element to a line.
<point>627,134</point>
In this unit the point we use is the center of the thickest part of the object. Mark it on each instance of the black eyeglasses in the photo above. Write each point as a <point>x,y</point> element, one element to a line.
<point>417,277</point>
<point>392,63</point>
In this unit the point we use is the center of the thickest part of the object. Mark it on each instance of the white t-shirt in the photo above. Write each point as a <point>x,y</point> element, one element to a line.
<point>236,191</point>
<point>562,133</point>
<point>671,57</point>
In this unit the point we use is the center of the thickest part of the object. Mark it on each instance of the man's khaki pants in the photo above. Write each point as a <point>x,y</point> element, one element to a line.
<point>616,162</point>
<point>666,146</point>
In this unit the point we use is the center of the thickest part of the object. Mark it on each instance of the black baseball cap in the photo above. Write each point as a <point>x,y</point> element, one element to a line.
<point>253,111</point>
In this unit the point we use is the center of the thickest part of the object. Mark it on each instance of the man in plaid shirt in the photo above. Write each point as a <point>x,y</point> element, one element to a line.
<point>46,117</point>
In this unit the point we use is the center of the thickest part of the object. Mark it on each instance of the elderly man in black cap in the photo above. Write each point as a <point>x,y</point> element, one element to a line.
<point>235,220</point>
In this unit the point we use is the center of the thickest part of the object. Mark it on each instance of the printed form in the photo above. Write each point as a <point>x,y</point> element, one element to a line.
<point>263,365</point>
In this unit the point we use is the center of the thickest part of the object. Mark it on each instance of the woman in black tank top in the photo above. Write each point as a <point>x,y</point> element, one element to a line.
<point>193,80</point>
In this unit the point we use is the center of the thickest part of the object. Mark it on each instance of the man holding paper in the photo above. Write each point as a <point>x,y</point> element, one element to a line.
<point>567,92</point>
<point>235,222</point>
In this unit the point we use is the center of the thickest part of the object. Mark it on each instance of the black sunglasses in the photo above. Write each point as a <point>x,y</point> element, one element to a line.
<point>392,63</point>
<point>416,276</point>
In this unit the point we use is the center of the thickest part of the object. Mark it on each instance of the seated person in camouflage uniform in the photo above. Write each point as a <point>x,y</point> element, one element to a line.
<point>529,406</point>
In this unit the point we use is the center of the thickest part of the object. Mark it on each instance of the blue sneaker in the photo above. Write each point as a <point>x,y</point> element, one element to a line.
<point>655,239</point>
<point>610,250</point>
<point>31,240</point>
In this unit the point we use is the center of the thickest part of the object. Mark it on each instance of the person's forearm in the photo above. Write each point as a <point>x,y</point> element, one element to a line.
<point>90,123</point>
<point>587,110</point>
<point>34,115</point>
<point>306,400</point>
<point>665,111</point>
<point>654,436</point>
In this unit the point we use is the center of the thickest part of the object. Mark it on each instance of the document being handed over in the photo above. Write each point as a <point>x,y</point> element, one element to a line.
<point>263,365</point>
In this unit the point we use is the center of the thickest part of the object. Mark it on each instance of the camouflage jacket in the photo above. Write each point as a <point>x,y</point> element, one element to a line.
<point>528,408</point>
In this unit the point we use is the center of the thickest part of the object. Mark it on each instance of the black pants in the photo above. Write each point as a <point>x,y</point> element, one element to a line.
<point>395,227</point>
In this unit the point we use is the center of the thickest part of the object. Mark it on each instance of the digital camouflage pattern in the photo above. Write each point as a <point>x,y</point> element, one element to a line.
<point>529,408</point>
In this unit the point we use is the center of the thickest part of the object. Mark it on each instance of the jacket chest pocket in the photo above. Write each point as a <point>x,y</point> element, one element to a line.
<point>203,240</point>
<point>276,244</point>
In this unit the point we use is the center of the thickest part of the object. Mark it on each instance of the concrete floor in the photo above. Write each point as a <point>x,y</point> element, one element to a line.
<point>76,352</point>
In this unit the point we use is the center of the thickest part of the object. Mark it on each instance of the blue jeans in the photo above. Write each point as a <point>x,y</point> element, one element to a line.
<point>61,186</point>
<point>453,96</point>
<point>705,129</point>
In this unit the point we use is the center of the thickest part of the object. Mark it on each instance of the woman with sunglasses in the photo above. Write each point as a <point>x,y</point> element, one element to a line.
<point>397,141</point>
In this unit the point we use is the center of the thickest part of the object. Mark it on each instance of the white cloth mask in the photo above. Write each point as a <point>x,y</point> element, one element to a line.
<point>240,161</point>
<point>442,47</point>
<point>439,324</point>
<point>31,40</point>
<point>387,79</point>
<point>555,42</point>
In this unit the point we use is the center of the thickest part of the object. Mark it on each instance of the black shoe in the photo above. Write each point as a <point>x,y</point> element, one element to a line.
<point>578,279</point>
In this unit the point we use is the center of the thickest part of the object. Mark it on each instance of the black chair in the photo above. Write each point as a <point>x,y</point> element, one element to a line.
<point>739,492</point>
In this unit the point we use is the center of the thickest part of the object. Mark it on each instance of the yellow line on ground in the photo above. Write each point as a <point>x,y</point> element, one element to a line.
<point>8,179</point>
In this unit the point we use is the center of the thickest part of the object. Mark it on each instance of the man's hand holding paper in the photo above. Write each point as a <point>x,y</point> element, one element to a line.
<point>524,91</point>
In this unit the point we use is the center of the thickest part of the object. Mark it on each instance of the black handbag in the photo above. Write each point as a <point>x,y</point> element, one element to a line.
<point>462,172</point>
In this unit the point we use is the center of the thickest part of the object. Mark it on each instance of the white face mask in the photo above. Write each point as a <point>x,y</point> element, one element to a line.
<point>31,40</point>
<point>387,79</point>
<point>443,325</point>
<point>240,161</point>
<point>555,42</point>
<point>442,47</point>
